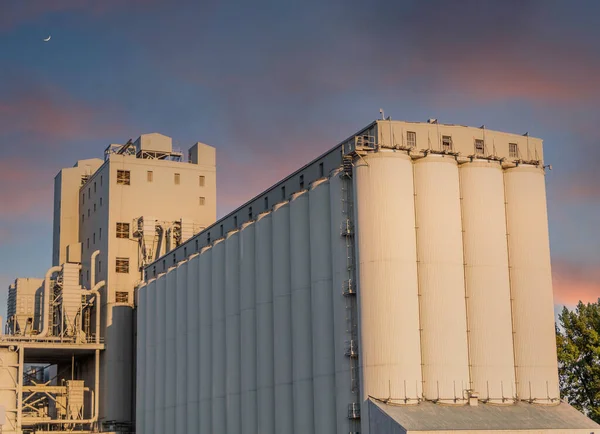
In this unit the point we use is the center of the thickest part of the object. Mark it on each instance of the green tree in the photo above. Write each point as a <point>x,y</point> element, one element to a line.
<point>578,344</point>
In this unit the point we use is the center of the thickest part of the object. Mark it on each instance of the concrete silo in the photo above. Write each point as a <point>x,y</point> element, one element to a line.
<point>170,375</point>
<point>205,339</point>
<point>181,346</point>
<point>192,344</point>
<point>158,328</point>
<point>219,349</point>
<point>140,403</point>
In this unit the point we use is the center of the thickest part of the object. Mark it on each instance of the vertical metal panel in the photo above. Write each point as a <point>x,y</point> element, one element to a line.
<point>322,308</point>
<point>301,314</point>
<point>341,324</point>
<point>9,360</point>
<point>389,341</point>
<point>160,352</point>
<point>441,279</point>
<point>171,348</point>
<point>487,281</point>
<point>248,328</point>
<point>219,356</point>
<point>531,284</point>
<point>232,329</point>
<point>205,339</point>
<point>181,356</point>
<point>192,332</point>
<point>282,319</point>
<point>264,325</point>
<point>140,382</point>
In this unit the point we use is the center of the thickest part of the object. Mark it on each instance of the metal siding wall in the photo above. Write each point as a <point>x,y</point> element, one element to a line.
<point>205,339</point>
<point>441,279</point>
<point>302,371</point>
<point>140,400</point>
<point>343,374</point>
<point>171,348</point>
<point>322,308</point>
<point>181,356</point>
<point>282,319</point>
<point>389,341</point>
<point>219,355</point>
<point>264,325</point>
<point>487,281</point>
<point>248,328</point>
<point>531,284</point>
<point>160,373</point>
<point>232,328</point>
<point>193,330</point>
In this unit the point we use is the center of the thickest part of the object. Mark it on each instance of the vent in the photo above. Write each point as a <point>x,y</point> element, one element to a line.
<point>121,297</point>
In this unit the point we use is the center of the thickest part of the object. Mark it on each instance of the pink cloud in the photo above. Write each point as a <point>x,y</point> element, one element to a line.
<point>575,283</point>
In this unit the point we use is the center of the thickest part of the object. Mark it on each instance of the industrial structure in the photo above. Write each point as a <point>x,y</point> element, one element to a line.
<point>399,283</point>
<point>76,326</point>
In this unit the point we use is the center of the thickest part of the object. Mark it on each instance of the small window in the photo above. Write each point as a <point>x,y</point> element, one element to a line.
<point>411,139</point>
<point>99,266</point>
<point>88,212</point>
<point>123,177</point>
<point>208,238</point>
<point>94,186</point>
<point>283,192</point>
<point>150,176</point>
<point>479,147</point>
<point>82,218</point>
<point>185,252</point>
<point>121,297</point>
<point>221,230</point>
<point>513,150</point>
<point>154,271</point>
<point>266,203</point>
<point>87,275</point>
<point>100,180</point>
<point>201,200</point>
<point>321,170</point>
<point>196,244</point>
<point>122,230</point>
<point>89,192</point>
<point>94,238</point>
<point>122,265</point>
<point>164,264</point>
<point>446,143</point>
<point>177,178</point>
<point>83,199</point>
<point>174,258</point>
<point>88,243</point>
<point>100,233</point>
<point>301,181</point>
<point>250,213</point>
<point>201,180</point>
<point>100,201</point>
<point>94,207</point>
<point>235,221</point>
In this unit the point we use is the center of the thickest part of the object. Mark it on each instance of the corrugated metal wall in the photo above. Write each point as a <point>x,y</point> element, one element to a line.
<point>252,334</point>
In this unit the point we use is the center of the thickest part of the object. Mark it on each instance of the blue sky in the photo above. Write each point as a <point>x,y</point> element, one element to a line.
<point>272,84</point>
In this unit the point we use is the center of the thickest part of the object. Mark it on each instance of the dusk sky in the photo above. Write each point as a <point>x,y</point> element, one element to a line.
<point>272,84</point>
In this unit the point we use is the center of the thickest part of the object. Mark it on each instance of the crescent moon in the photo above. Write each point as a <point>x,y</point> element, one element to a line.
<point>48,38</point>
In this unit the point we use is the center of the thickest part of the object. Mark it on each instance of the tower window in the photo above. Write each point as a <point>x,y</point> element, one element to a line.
<point>201,180</point>
<point>411,139</point>
<point>122,230</point>
<point>123,177</point>
<point>122,265</point>
<point>177,178</point>
<point>446,143</point>
<point>121,297</point>
<point>479,147</point>
<point>201,200</point>
<point>513,150</point>
<point>150,176</point>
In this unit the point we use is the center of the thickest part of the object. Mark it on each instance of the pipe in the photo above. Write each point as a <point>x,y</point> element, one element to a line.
<point>96,291</point>
<point>46,309</point>
<point>93,268</point>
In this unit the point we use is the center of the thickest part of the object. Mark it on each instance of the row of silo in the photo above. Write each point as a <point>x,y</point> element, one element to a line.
<point>453,261</point>
<point>243,337</point>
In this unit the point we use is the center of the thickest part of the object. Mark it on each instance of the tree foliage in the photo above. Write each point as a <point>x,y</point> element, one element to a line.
<point>578,344</point>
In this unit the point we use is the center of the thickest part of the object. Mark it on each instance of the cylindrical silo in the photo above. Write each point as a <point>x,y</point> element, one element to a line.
<point>264,325</point>
<point>282,319</point>
<point>160,353</point>
<point>192,331</point>
<point>531,284</point>
<point>441,279</point>
<point>388,306</point>
<point>322,308</point>
<point>219,351</point>
<point>140,382</point>
<point>170,375</point>
<point>248,328</point>
<point>181,356</point>
<point>232,331</point>
<point>340,195</point>
<point>487,281</point>
<point>301,314</point>
<point>205,339</point>
<point>9,363</point>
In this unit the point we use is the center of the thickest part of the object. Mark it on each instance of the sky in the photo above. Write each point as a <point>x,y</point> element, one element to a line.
<point>273,84</point>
